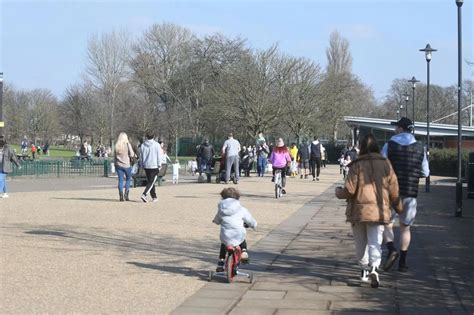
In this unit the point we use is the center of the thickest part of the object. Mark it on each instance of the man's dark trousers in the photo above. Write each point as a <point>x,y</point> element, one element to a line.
<point>151,177</point>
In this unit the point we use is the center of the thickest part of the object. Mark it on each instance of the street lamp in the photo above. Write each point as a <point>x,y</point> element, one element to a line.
<point>428,50</point>
<point>413,82</point>
<point>458,212</point>
<point>407,97</point>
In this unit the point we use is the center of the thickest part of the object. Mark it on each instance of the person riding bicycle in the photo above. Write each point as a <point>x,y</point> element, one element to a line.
<point>233,218</point>
<point>280,160</point>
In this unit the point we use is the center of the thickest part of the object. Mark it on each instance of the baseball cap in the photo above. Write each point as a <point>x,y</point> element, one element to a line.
<point>404,122</point>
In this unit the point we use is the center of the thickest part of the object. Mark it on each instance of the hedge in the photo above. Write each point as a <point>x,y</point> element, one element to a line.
<point>444,162</point>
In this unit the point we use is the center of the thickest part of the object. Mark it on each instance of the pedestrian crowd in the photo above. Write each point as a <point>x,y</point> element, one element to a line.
<point>381,185</point>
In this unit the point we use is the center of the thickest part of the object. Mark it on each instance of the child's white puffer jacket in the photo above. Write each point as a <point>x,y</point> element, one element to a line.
<point>231,217</point>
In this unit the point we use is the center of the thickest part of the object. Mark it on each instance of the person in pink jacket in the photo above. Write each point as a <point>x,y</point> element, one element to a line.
<point>280,160</point>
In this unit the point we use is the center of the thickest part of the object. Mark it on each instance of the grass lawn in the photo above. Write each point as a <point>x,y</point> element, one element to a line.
<point>54,152</point>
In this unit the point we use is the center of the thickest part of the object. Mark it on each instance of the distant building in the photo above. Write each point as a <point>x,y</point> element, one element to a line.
<point>441,135</point>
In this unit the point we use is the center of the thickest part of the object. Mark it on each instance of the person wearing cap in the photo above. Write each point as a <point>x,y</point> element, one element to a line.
<point>408,158</point>
<point>280,160</point>
<point>231,149</point>
<point>7,157</point>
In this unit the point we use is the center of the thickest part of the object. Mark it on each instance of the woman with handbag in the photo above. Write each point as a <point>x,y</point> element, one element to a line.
<point>125,157</point>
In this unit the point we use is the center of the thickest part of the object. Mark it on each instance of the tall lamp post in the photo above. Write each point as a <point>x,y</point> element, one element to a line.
<point>458,212</point>
<point>407,97</point>
<point>428,50</point>
<point>413,82</point>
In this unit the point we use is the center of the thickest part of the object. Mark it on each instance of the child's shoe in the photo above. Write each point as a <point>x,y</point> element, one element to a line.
<point>244,257</point>
<point>220,266</point>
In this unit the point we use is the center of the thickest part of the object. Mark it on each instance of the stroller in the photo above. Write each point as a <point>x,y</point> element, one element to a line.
<point>222,168</point>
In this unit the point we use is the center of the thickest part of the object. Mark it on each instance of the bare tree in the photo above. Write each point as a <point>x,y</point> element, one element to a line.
<point>107,67</point>
<point>159,60</point>
<point>16,112</point>
<point>338,55</point>
<point>77,112</point>
<point>43,122</point>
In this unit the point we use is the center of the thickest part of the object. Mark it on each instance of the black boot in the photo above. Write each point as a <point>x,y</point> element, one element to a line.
<point>121,196</point>
<point>126,195</point>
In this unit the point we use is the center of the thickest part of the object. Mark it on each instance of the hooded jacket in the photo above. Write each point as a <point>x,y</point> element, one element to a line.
<point>231,216</point>
<point>150,156</point>
<point>8,157</point>
<point>371,189</point>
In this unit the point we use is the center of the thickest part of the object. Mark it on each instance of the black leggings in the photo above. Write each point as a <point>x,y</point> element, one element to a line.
<point>223,250</point>
<point>283,175</point>
<point>315,165</point>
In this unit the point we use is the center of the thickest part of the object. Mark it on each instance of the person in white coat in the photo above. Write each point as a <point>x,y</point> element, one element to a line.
<point>233,219</point>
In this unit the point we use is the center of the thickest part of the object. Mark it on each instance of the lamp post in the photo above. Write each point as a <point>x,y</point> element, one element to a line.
<point>407,97</point>
<point>428,50</point>
<point>413,82</point>
<point>458,212</point>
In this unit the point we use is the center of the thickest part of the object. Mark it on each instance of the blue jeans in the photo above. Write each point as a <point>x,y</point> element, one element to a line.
<point>261,165</point>
<point>123,172</point>
<point>3,182</point>
<point>203,164</point>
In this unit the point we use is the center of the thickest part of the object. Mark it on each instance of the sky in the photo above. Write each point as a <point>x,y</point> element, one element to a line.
<point>44,43</point>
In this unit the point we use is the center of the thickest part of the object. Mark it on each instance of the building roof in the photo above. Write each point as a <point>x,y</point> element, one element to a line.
<point>436,130</point>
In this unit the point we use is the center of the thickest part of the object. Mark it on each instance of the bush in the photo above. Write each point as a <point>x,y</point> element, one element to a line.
<point>444,162</point>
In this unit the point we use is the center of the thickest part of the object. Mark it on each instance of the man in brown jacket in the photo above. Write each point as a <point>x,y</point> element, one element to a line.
<point>371,189</point>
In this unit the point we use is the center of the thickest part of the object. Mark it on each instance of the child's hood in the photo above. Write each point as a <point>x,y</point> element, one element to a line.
<point>229,206</point>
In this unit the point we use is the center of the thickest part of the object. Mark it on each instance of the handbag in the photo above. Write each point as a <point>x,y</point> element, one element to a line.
<point>133,158</point>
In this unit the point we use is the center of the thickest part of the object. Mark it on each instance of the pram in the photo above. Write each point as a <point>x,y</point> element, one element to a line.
<point>222,168</point>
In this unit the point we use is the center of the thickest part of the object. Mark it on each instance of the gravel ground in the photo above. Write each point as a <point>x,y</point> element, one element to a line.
<point>82,251</point>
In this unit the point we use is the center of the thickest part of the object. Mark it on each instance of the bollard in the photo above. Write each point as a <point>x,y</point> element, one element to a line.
<point>106,168</point>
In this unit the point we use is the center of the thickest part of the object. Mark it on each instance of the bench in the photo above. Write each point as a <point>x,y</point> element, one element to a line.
<point>23,157</point>
<point>139,179</point>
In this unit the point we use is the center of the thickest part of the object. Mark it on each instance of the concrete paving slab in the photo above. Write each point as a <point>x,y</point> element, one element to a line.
<point>293,304</point>
<point>264,295</point>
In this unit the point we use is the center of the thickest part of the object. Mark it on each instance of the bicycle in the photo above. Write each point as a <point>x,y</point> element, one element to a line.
<point>278,184</point>
<point>231,267</point>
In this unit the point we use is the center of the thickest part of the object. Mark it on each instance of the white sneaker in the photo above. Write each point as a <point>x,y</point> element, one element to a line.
<point>374,278</point>
<point>364,275</point>
<point>5,195</point>
<point>143,198</point>
<point>244,257</point>
<point>155,199</point>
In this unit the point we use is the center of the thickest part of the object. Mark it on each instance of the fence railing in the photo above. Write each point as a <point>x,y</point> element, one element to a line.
<point>62,168</point>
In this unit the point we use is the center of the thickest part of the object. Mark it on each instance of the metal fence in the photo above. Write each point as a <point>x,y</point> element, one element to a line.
<point>62,168</point>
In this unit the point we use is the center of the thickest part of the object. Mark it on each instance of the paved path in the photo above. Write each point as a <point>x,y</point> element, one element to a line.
<point>306,266</point>
<point>68,246</point>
